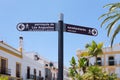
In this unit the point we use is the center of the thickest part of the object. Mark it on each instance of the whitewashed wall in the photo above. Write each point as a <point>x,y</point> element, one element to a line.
<point>33,65</point>
<point>11,61</point>
<point>25,62</point>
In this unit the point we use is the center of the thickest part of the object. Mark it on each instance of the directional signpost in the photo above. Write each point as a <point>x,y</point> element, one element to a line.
<point>80,30</point>
<point>36,26</point>
<point>60,27</point>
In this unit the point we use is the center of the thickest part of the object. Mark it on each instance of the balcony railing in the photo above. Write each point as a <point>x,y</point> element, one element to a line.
<point>18,74</point>
<point>5,71</point>
<point>14,78</point>
<point>33,77</point>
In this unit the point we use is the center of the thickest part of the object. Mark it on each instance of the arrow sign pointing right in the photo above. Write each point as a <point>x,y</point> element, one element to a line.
<point>81,30</point>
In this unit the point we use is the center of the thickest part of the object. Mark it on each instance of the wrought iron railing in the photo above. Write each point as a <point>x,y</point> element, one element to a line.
<point>34,77</point>
<point>18,74</point>
<point>5,71</point>
<point>14,78</point>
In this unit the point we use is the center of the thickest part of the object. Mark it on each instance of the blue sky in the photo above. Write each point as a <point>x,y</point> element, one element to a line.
<point>79,12</point>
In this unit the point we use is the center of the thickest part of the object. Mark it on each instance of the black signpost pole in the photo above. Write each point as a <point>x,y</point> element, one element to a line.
<point>52,27</point>
<point>60,48</point>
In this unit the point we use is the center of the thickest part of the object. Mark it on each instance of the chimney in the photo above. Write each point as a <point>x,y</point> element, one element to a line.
<point>21,44</point>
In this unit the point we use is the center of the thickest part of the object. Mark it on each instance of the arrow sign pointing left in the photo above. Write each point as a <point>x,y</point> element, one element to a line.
<point>36,26</point>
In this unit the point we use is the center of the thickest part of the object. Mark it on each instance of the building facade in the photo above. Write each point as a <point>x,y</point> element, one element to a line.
<point>109,60</point>
<point>66,74</point>
<point>17,65</point>
<point>20,65</point>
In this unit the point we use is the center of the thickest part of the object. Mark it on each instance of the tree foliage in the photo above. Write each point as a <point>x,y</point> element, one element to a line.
<point>3,77</point>
<point>79,70</point>
<point>112,18</point>
<point>93,72</point>
<point>94,49</point>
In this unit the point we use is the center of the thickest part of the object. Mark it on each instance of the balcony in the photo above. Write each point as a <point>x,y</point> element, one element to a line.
<point>5,71</point>
<point>18,74</point>
<point>34,77</point>
<point>14,78</point>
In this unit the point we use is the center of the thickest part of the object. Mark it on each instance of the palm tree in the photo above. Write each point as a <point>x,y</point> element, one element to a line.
<point>82,64</point>
<point>94,72</point>
<point>73,62</point>
<point>113,77</point>
<point>72,73</point>
<point>73,70</point>
<point>112,17</point>
<point>84,54</point>
<point>94,49</point>
<point>73,65</point>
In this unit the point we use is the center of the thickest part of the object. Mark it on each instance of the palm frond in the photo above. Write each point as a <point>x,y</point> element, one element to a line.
<point>78,77</point>
<point>73,62</point>
<point>114,6</point>
<point>84,54</point>
<point>94,44</point>
<point>87,45</point>
<point>111,25</point>
<point>106,14</point>
<point>82,62</point>
<point>115,33</point>
<point>108,18</point>
<point>108,5</point>
<point>100,45</point>
<point>90,49</point>
<point>71,72</point>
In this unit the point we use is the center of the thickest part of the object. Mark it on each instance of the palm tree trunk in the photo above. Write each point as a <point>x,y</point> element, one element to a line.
<point>94,77</point>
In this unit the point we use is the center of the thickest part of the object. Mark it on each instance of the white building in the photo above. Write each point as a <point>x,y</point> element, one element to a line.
<point>17,65</point>
<point>21,65</point>
<point>66,76</point>
<point>109,60</point>
<point>49,69</point>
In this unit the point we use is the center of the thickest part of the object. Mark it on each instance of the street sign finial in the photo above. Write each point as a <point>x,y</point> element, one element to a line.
<point>61,16</point>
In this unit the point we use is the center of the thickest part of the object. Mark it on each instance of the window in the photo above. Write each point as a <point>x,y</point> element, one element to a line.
<point>34,74</point>
<point>40,73</point>
<point>99,62</point>
<point>4,66</point>
<point>111,60</point>
<point>28,72</point>
<point>18,69</point>
<point>46,73</point>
